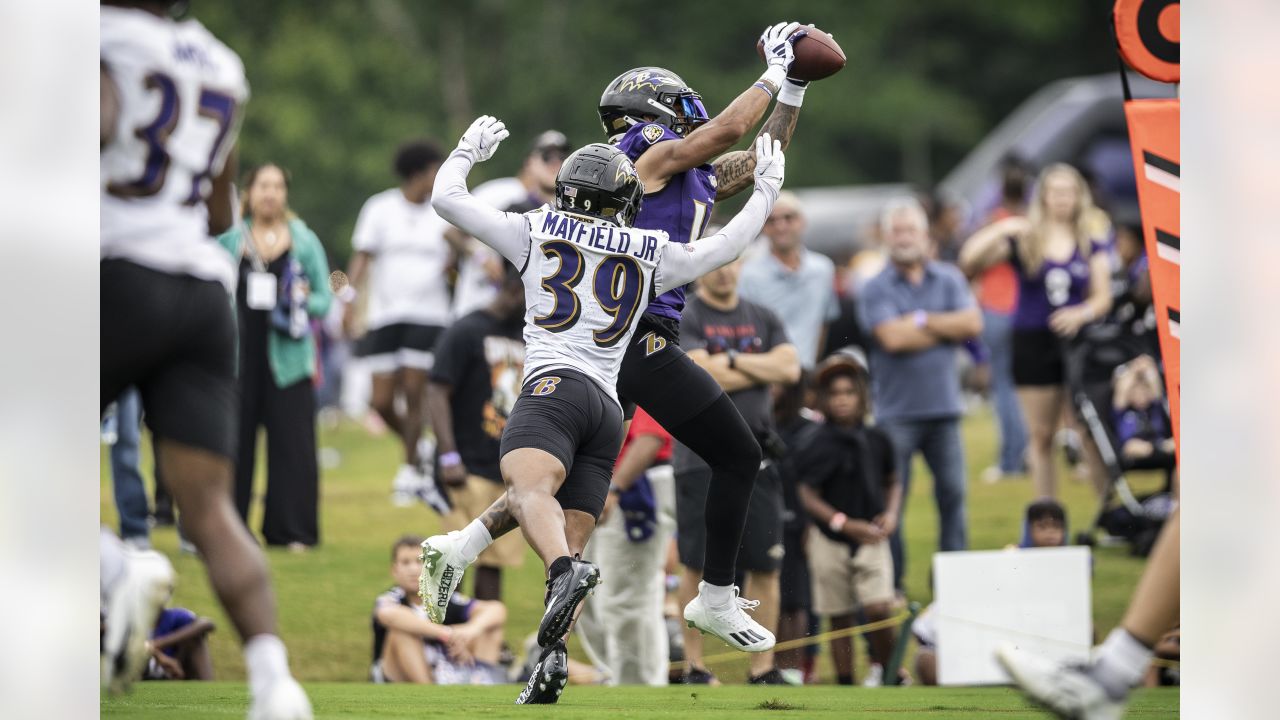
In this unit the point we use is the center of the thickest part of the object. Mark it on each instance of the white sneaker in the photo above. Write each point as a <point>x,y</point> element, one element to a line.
<point>283,700</point>
<point>1066,690</point>
<point>875,676</point>
<point>429,493</point>
<point>404,488</point>
<point>442,569</point>
<point>132,607</point>
<point>729,623</point>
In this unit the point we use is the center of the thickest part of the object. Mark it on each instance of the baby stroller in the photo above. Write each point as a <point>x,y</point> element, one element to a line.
<point>1090,361</point>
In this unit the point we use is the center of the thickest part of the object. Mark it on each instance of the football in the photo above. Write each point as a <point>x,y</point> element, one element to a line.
<point>818,56</point>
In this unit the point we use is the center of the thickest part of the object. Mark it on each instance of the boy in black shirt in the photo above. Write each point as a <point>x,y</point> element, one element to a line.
<point>851,489</point>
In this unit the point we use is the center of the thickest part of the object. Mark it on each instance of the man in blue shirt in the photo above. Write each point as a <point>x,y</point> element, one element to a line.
<point>796,284</point>
<point>916,312</point>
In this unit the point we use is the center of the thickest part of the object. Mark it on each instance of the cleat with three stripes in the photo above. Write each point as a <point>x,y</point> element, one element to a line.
<point>730,623</point>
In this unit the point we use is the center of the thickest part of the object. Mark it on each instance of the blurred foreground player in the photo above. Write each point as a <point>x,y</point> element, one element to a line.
<point>587,273</point>
<point>660,123</point>
<point>1099,689</point>
<point>171,100</point>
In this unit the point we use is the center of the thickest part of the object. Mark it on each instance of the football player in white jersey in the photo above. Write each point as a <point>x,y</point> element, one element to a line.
<point>172,96</point>
<point>588,273</point>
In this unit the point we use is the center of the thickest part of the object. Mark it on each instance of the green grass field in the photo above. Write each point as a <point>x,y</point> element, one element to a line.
<point>325,597</point>
<point>196,701</point>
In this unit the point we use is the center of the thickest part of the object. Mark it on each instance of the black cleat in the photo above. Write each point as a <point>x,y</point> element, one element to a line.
<point>699,676</point>
<point>564,594</point>
<point>772,677</point>
<point>548,678</point>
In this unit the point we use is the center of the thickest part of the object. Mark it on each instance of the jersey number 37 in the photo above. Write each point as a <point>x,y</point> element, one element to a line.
<point>218,107</point>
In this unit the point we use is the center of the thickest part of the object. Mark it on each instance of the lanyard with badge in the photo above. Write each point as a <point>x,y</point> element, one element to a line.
<point>260,292</point>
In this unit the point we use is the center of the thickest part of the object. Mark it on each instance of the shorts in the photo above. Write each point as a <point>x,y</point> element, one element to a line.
<point>174,337</point>
<point>469,502</point>
<point>400,345</point>
<point>844,579</point>
<point>761,549</point>
<point>1037,358</point>
<point>566,414</point>
<point>657,375</point>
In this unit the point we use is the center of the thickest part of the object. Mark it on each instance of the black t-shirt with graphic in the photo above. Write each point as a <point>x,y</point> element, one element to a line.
<point>748,328</point>
<point>482,359</point>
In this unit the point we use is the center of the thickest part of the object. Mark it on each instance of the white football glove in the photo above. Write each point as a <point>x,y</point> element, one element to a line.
<point>778,49</point>
<point>770,165</point>
<point>480,141</point>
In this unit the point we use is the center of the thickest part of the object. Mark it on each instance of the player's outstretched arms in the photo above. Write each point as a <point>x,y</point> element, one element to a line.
<point>508,233</point>
<point>683,263</point>
<point>667,159</point>
<point>734,169</point>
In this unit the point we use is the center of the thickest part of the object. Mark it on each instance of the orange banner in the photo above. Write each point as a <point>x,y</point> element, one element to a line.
<point>1153,133</point>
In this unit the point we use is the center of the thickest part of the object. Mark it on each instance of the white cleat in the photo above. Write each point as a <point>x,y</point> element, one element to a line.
<point>1066,690</point>
<point>731,623</point>
<point>405,487</point>
<point>442,569</point>
<point>130,614</point>
<point>283,700</point>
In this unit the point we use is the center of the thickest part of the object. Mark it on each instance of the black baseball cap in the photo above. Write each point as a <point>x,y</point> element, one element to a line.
<point>846,361</point>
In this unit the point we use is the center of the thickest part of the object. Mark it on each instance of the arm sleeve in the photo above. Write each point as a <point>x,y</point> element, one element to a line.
<point>777,332</point>
<point>875,307</point>
<point>887,452</point>
<point>365,236</point>
<point>832,301</point>
<point>316,267</point>
<point>684,263</point>
<point>230,241</point>
<point>508,233</point>
<point>812,468</point>
<point>961,295</point>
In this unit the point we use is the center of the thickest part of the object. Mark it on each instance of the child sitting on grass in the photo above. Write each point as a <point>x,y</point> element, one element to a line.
<point>409,648</point>
<point>179,647</point>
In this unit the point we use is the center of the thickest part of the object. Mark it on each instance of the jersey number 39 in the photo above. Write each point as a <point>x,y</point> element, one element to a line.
<point>617,285</point>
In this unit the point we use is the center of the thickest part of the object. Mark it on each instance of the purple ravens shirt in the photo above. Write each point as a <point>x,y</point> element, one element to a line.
<point>681,209</point>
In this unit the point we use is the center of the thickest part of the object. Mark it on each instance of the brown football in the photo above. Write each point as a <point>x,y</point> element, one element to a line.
<point>818,55</point>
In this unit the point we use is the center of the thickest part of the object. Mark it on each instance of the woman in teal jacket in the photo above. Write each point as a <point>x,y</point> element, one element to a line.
<point>284,282</point>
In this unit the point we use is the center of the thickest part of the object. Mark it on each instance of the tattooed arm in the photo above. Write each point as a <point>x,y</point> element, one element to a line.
<point>734,170</point>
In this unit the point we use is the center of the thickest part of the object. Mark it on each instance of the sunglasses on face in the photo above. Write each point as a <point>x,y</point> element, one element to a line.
<point>553,155</point>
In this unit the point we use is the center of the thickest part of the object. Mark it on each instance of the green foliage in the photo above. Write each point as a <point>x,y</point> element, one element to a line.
<point>337,86</point>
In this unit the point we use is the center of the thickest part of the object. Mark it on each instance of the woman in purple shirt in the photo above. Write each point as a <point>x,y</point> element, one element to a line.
<point>1064,273</point>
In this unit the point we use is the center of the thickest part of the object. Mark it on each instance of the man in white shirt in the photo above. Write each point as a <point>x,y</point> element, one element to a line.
<point>399,244</point>
<point>795,283</point>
